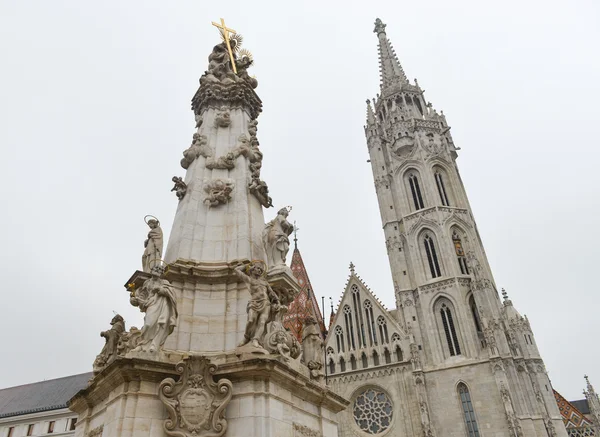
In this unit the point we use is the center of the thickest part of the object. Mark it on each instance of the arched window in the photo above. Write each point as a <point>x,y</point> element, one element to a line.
<point>375,358</point>
<point>331,366</point>
<point>383,332</point>
<point>370,322</point>
<point>349,327</point>
<point>342,365</point>
<point>339,337</point>
<point>439,181</point>
<point>415,190</point>
<point>365,363</point>
<point>362,342</point>
<point>432,258</point>
<point>387,356</point>
<point>447,319</point>
<point>468,412</point>
<point>475,314</point>
<point>398,354</point>
<point>460,253</point>
<point>352,362</point>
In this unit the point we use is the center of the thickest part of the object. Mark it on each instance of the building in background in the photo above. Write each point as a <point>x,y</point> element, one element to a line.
<point>40,408</point>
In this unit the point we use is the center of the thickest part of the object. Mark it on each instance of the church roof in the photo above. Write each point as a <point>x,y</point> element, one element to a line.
<point>573,412</point>
<point>305,303</point>
<point>41,396</point>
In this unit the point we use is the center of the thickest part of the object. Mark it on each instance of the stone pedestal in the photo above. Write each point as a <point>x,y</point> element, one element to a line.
<point>270,398</point>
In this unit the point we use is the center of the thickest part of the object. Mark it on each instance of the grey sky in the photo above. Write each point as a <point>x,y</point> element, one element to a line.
<point>94,103</point>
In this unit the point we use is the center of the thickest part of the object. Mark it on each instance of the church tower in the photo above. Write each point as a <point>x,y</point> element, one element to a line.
<point>468,363</point>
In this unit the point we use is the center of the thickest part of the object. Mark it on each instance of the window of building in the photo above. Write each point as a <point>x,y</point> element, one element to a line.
<point>415,190</point>
<point>460,253</point>
<point>11,431</point>
<point>365,363</point>
<point>468,412</point>
<point>439,180</point>
<point>50,427</point>
<point>449,329</point>
<point>373,411</point>
<point>387,356</point>
<point>73,423</point>
<point>375,358</point>
<point>30,429</point>
<point>475,314</point>
<point>432,259</point>
<point>339,336</point>
<point>349,327</point>
<point>370,322</point>
<point>331,367</point>
<point>352,362</point>
<point>399,356</point>
<point>342,365</point>
<point>383,332</point>
<point>362,341</point>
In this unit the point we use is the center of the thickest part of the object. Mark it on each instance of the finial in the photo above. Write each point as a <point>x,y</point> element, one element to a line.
<point>504,295</point>
<point>351,267</point>
<point>379,26</point>
<point>296,229</point>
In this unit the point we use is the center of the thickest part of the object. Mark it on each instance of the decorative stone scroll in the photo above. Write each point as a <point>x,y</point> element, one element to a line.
<point>196,403</point>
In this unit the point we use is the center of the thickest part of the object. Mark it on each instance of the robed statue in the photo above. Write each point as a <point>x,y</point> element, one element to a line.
<point>275,238</point>
<point>153,246</point>
<point>157,299</point>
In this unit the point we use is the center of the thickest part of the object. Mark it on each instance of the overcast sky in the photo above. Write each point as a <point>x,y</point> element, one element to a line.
<point>95,112</point>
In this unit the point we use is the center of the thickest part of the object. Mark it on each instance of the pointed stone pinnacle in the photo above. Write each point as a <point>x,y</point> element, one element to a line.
<point>390,69</point>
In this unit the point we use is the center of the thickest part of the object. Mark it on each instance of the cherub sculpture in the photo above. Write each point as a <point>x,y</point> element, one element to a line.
<point>180,187</point>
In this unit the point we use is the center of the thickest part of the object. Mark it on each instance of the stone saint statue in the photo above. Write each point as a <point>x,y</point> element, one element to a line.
<point>112,337</point>
<point>153,246</point>
<point>275,238</point>
<point>312,344</point>
<point>156,298</point>
<point>259,305</point>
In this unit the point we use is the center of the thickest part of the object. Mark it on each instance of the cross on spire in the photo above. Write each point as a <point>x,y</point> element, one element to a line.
<point>351,267</point>
<point>296,229</point>
<point>225,30</point>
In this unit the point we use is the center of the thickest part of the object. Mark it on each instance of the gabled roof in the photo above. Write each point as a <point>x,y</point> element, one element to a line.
<point>41,396</point>
<point>305,303</point>
<point>366,294</point>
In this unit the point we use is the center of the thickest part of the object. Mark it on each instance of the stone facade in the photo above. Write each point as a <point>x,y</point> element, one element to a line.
<point>451,359</point>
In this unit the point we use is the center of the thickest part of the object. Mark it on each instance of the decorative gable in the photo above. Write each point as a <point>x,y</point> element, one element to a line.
<point>363,333</point>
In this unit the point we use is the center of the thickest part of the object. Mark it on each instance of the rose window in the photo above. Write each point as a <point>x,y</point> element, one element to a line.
<point>372,411</point>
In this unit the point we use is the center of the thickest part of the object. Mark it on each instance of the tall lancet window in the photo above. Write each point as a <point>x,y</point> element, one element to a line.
<point>370,322</point>
<point>460,254</point>
<point>383,331</point>
<point>349,327</point>
<point>415,190</point>
<point>432,258</point>
<point>339,337</point>
<point>449,329</point>
<point>358,315</point>
<point>468,412</point>
<point>439,180</point>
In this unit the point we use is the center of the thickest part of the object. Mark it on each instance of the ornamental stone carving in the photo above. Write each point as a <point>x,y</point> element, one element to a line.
<point>156,298</point>
<point>223,118</point>
<point>195,404</point>
<point>198,148</point>
<point>110,350</point>
<point>312,346</point>
<point>96,432</point>
<point>275,239</point>
<point>305,431</point>
<point>218,191</point>
<point>514,424</point>
<point>153,245</point>
<point>180,187</point>
<point>259,189</point>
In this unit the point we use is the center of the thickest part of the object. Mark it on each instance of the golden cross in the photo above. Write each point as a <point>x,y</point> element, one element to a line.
<point>226,31</point>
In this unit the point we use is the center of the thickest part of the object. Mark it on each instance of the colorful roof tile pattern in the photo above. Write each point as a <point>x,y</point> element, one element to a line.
<point>572,417</point>
<point>305,303</point>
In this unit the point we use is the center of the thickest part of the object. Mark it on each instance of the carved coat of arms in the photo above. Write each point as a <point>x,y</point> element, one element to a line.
<point>196,403</point>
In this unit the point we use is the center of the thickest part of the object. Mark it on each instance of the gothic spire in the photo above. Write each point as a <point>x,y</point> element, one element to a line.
<point>370,114</point>
<point>391,71</point>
